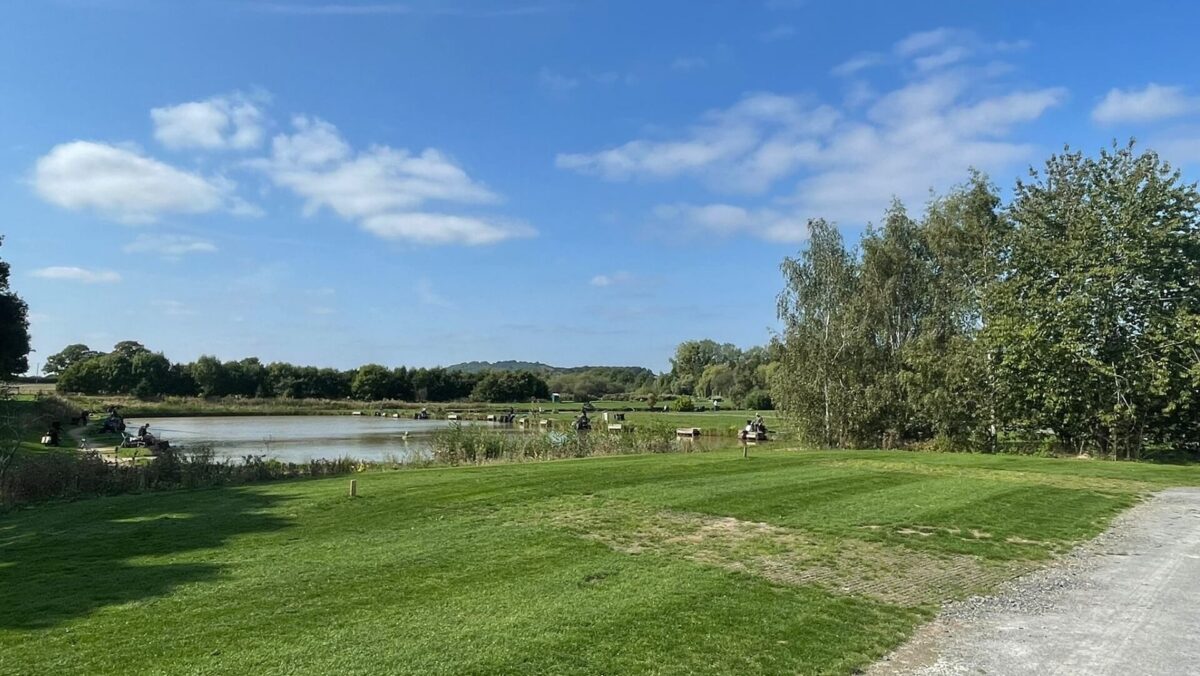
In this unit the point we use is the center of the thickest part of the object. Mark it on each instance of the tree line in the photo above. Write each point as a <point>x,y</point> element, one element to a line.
<point>1071,313</point>
<point>703,368</point>
<point>131,368</point>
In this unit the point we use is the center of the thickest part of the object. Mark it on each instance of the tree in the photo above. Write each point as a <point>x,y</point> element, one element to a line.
<point>14,328</point>
<point>372,383</point>
<point>510,386</point>
<point>820,346</point>
<point>68,357</point>
<point>210,376</point>
<point>1098,303</point>
<point>129,348</point>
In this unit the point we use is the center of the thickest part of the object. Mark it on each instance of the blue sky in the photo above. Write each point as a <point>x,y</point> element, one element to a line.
<point>573,182</point>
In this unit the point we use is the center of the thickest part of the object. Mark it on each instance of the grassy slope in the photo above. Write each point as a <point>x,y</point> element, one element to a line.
<point>466,571</point>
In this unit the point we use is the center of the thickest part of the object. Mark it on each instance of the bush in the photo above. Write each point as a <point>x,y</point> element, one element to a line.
<point>469,444</point>
<point>46,476</point>
<point>757,400</point>
<point>683,404</point>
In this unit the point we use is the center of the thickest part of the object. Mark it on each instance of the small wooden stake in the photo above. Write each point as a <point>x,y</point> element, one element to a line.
<point>354,488</point>
<point>745,448</point>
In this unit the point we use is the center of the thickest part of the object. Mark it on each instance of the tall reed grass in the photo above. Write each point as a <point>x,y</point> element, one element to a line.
<point>469,444</point>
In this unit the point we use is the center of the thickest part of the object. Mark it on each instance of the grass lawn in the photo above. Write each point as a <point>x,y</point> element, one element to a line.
<point>788,562</point>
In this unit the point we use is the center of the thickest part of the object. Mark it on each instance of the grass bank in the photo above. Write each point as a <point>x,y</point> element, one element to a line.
<point>788,562</point>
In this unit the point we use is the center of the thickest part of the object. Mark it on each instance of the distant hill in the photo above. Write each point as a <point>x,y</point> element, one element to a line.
<point>545,369</point>
<point>511,365</point>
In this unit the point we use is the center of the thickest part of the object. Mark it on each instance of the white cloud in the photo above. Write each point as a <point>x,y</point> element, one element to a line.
<point>808,159</point>
<point>556,81</point>
<point>741,149</point>
<point>222,122</point>
<point>429,228</point>
<point>613,279</point>
<point>386,190</point>
<point>780,32</point>
<point>727,219</point>
<point>857,63</point>
<point>74,274</point>
<point>169,246</point>
<point>927,41</point>
<point>1153,102</point>
<point>396,8</point>
<point>122,184</point>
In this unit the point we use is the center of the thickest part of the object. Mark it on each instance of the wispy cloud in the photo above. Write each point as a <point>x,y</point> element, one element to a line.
<point>396,8</point>
<point>74,274</point>
<point>387,191</point>
<point>169,246</point>
<point>780,32</point>
<point>555,81</point>
<point>427,295</point>
<point>857,63</point>
<point>1152,102</point>
<point>612,279</point>
<point>804,158</point>
<point>689,63</point>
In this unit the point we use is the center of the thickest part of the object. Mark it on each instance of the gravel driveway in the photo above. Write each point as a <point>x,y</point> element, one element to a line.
<point>1126,603</point>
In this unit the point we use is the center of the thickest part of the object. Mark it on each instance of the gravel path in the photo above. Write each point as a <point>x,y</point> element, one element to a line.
<point>1126,603</point>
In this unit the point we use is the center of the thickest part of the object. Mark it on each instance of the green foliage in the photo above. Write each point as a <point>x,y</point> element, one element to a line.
<point>372,383</point>
<point>70,355</point>
<point>683,404</point>
<point>1095,335</point>
<point>757,400</point>
<point>14,328</point>
<point>1075,309</point>
<point>510,386</point>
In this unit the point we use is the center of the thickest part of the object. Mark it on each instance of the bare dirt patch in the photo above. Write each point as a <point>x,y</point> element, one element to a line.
<point>889,573</point>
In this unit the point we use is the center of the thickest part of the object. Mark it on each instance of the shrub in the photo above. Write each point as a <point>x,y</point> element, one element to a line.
<point>683,404</point>
<point>47,476</point>
<point>757,400</point>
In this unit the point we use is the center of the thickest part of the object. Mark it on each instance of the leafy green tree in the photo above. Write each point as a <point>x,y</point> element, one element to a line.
<point>757,400</point>
<point>509,386</point>
<point>14,328</point>
<point>129,348</point>
<point>372,383</point>
<point>821,346</point>
<point>1099,301</point>
<point>210,377</point>
<point>69,356</point>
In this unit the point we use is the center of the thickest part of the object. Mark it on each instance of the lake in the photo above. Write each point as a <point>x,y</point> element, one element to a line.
<point>299,438</point>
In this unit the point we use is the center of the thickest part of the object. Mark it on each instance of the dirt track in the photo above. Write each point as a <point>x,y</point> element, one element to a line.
<point>1126,603</point>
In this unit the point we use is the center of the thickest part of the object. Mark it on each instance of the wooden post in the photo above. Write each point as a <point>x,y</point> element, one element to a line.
<point>354,488</point>
<point>745,447</point>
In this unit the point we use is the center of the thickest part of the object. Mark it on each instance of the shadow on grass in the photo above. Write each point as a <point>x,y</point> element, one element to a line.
<point>59,562</point>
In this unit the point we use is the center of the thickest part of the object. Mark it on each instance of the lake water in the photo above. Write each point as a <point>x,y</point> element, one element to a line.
<point>293,438</point>
<point>299,438</point>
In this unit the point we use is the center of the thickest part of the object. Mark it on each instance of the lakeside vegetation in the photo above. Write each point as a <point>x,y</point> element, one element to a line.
<point>1072,313</point>
<point>809,562</point>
